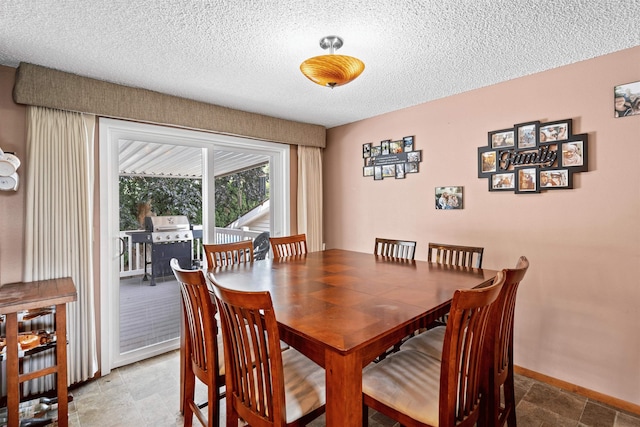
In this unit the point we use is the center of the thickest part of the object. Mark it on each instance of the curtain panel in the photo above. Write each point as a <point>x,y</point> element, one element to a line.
<point>310,196</point>
<point>59,224</point>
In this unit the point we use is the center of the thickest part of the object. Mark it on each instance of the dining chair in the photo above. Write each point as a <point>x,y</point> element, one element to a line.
<point>288,245</point>
<point>226,254</point>
<point>416,389</point>
<point>201,350</point>
<point>499,367</point>
<point>463,256</point>
<point>279,388</point>
<point>403,249</point>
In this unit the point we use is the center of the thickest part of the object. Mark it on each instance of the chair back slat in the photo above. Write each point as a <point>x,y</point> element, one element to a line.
<point>226,254</point>
<point>462,355</point>
<point>403,249</point>
<point>288,245</point>
<point>456,255</point>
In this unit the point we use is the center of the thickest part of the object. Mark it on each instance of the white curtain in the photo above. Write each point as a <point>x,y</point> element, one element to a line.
<point>310,196</point>
<point>59,224</point>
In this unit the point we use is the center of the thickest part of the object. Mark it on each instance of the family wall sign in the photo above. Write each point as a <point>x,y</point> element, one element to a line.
<point>533,156</point>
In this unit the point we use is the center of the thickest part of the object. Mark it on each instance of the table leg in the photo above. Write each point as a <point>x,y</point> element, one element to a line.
<point>344,389</point>
<point>13,374</point>
<point>61,362</point>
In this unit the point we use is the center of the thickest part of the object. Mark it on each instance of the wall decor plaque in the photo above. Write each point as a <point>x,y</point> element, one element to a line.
<point>391,159</point>
<point>533,156</point>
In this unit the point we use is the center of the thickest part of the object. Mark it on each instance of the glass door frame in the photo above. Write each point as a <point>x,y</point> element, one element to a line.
<point>111,132</point>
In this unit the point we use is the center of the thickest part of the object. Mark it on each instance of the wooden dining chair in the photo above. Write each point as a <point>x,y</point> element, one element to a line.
<point>403,249</point>
<point>499,364</point>
<point>416,389</point>
<point>288,245</point>
<point>464,256</point>
<point>281,388</point>
<point>226,254</point>
<point>201,351</point>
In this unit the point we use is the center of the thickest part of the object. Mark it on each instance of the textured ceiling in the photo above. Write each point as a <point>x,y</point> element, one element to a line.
<point>246,54</point>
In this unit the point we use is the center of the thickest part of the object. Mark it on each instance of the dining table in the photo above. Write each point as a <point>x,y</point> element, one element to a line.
<point>343,308</point>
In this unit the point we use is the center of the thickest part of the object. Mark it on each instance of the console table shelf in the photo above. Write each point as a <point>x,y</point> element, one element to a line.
<point>17,297</point>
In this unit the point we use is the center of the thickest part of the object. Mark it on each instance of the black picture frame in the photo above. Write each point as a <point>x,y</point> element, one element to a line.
<point>449,197</point>
<point>414,156</point>
<point>366,150</point>
<point>487,161</point>
<point>412,167</point>
<point>573,153</point>
<point>503,138</point>
<point>401,171</point>
<point>367,171</point>
<point>553,132</point>
<point>376,151</point>
<point>504,181</point>
<point>377,173</point>
<point>389,171</point>
<point>526,135</point>
<point>384,147</point>
<point>408,143</point>
<point>396,147</point>
<point>527,180</point>
<point>555,179</point>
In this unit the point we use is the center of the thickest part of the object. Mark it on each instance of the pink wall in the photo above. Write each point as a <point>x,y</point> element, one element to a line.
<point>13,139</point>
<point>576,317</point>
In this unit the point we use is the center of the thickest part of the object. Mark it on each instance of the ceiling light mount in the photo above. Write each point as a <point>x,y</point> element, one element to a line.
<point>332,70</point>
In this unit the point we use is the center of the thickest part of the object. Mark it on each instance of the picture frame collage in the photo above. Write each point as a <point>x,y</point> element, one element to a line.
<point>391,159</point>
<point>533,156</point>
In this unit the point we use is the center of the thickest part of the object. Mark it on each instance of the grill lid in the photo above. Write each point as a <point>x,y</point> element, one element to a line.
<point>166,223</point>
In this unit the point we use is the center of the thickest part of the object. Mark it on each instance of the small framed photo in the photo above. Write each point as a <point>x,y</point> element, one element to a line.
<point>501,138</point>
<point>400,170</point>
<point>574,153</point>
<point>414,156</point>
<point>527,134</point>
<point>555,131</point>
<point>488,162</point>
<point>527,180</point>
<point>376,151</point>
<point>555,179</point>
<point>367,171</point>
<point>377,172</point>
<point>502,181</point>
<point>388,171</point>
<point>412,167</point>
<point>626,100</point>
<point>448,197</point>
<point>384,145</point>
<point>369,161</point>
<point>408,143</point>
<point>366,150</point>
<point>395,147</point>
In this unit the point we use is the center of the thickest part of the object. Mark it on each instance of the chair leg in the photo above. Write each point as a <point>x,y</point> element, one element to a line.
<point>213,418</point>
<point>188,394</point>
<point>365,416</point>
<point>510,400</point>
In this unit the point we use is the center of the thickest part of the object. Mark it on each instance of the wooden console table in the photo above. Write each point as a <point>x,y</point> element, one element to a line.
<point>15,297</point>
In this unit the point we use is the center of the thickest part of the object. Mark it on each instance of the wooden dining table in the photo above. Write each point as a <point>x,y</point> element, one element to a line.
<point>342,309</point>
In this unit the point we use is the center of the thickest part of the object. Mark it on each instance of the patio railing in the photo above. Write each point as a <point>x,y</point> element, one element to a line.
<point>132,254</point>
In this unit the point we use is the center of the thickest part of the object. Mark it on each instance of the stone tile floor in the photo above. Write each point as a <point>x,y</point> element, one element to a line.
<point>147,394</point>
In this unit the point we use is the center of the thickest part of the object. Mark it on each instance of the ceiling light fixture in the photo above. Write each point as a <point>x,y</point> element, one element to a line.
<point>332,70</point>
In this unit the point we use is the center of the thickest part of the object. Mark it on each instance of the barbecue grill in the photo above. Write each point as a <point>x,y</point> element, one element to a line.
<point>167,237</point>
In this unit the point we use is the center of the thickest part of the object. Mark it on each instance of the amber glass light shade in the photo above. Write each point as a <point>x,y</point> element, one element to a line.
<point>332,70</point>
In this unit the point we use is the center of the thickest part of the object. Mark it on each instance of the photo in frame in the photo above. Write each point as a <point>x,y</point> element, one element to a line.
<point>414,156</point>
<point>367,171</point>
<point>626,100</point>
<point>555,131</point>
<point>377,172</point>
<point>412,167</point>
<point>395,147</point>
<point>487,162</point>
<point>527,180</point>
<point>384,146</point>
<point>408,143</point>
<point>366,150</point>
<point>388,171</point>
<point>555,179</point>
<point>501,138</point>
<point>376,151</point>
<point>573,153</point>
<point>448,197</point>
<point>400,170</point>
<point>503,181</point>
<point>527,134</point>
